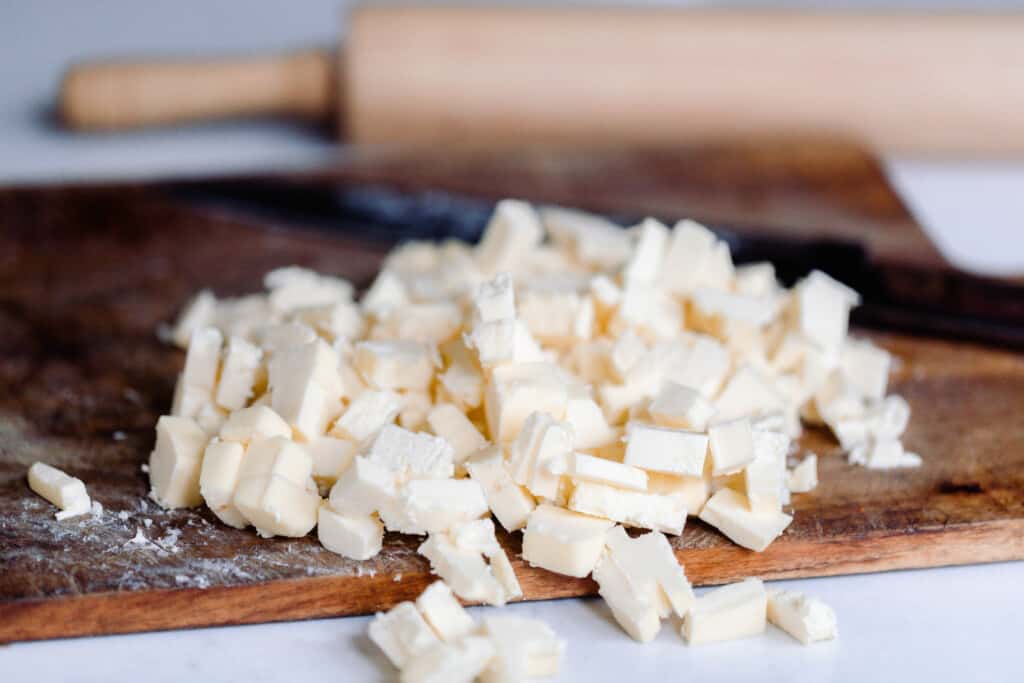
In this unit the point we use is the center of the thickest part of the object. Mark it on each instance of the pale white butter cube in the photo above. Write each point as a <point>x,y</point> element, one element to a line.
<point>516,391</point>
<point>823,309</point>
<point>189,401</point>
<point>367,415</point>
<point>494,341</point>
<point>644,264</point>
<point>650,556</point>
<point>461,661</point>
<point>765,478</point>
<point>731,445</point>
<point>295,287</point>
<point>412,455</point>
<point>200,312</point>
<point>883,454</point>
<point>66,492</point>
<point>218,477</point>
<point>704,366</point>
<point>452,425</point>
<point>756,279</point>
<point>692,491</point>
<point>387,292</point>
<point>525,648</point>
<point>747,393</point>
<point>865,367</point>
<point>681,407</point>
<point>395,364</point>
<point>595,241</point>
<point>633,604</point>
<point>277,337</point>
<point>202,361</point>
<point>583,467</point>
<point>510,502</point>
<point>337,322</point>
<point>738,610</point>
<point>659,449</point>
<point>563,541</point>
<point>495,299</point>
<point>276,506</point>
<point>539,454</point>
<point>729,512</point>
<point>363,488</point>
<point>605,293</point>
<point>429,323</point>
<point>175,463</point>
<point>627,351</point>
<point>513,231</point>
<point>277,457</point>
<point>633,508</point>
<point>357,537</point>
<point>402,633</point>
<point>302,380</point>
<point>427,505</point>
<point>806,619</point>
<point>331,457</point>
<point>416,405</point>
<point>255,423</point>
<point>804,477</point>
<point>241,369</point>
<point>695,258</point>
<point>465,571</point>
<point>444,613</point>
<point>589,427</point>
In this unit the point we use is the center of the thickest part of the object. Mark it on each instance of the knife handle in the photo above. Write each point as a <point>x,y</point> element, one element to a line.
<point>118,95</point>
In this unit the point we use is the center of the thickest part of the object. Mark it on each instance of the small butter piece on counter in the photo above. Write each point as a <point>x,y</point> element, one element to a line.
<point>302,381</point>
<point>729,512</point>
<point>804,477</point>
<point>446,616</point>
<point>451,424</point>
<point>510,502</point>
<point>806,619</point>
<point>463,567</point>
<point>364,488</point>
<point>275,491</point>
<point>412,455</point>
<point>462,661</point>
<point>731,445</point>
<point>765,478</point>
<point>392,365</point>
<point>254,423</point>
<point>883,454</point>
<point>539,454</point>
<point>358,537</point>
<point>66,492</point>
<point>176,461</point>
<point>735,611</point>
<point>514,392</point>
<point>525,648</point>
<point>583,467</point>
<point>671,451</point>
<point>218,477</point>
<point>402,633</point>
<point>428,505</point>
<point>563,541</point>
<point>513,231</point>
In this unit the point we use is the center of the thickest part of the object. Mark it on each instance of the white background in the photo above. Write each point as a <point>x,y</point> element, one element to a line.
<point>942,624</point>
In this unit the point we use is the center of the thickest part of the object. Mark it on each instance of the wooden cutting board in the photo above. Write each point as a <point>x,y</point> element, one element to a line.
<point>88,273</point>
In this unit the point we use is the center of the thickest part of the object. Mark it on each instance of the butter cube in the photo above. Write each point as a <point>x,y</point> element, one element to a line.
<point>452,425</point>
<point>412,455</point>
<point>634,607</point>
<point>242,365</point>
<point>427,505</point>
<point>367,415</point>
<point>681,407</point>
<point>729,512</point>
<point>633,508</point>
<point>387,292</point>
<point>512,233</point>
<point>175,463</point>
<point>693,492</point>
<point>402,633</point>
<point>460,661</point>
<point>494,300</point>
<point>583,467</point>
<point>865,367</point>
<point>539,454</point>
<point>804,477</point>
<point>510,502</point>
<point>765,478</point>
<point>443,612</point>
<point>218,477</point>
<point>644,264</point>
<point>589,427</point>
<point>563,541</point>
<point>395,364</point>
<point>525,648</point>
<point>806,619</point>
<point>66,492</point>
<point>277,506</point>
<point>748,393</point>
<point>738,610</point>
<point>331,457</point>
<point>364,488</point>
<point>516,391</point>
<point>731,445</point>
<point>823,309</point>
<point>357,537</point>
<point>202,361</point>
<point>672,451</point>
<point>464,570</point>
<point>302,380</point>
<point>254,423</point>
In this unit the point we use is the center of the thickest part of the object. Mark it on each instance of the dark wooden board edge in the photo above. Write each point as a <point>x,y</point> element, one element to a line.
<point>322,597</point>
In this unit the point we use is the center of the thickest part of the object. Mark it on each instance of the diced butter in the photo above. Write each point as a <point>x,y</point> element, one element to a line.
<point>427,505</point>
<point>331,457</point>
<point>199,312</point>
<point>513,231</point>
<point>633,508</point>
<point>446,616</point>
<point>395,364</point>
<point>460,661</point>
<point>729,512</point>
<point>465,570</point>
<point>731,445</point>
<point>367,415</point>
<point>516,391</point>
<point>583,467</point>
<point>589,426</point>
<point>402,633</point>
<point>293,287</point>
<point>364,488</point>
<point>495,299</point>
<point>659,449</point>
<point>412,455</point>
<point>387,292</point>
<point>202,361</point>
<point>806,619</point>
<point>681,407</point>
<point>865,367</point>
<point>175,463</point>
<point>222,462</point>
<point>302,381</point>
<point>66,492</point>
<point>525,648</point>
<point>765,478</point>
<point>510,502</point>
<point>284,336</point>
<point>563,541</point>
<point>242,365</point>
<point>357,537</point>
<point>804,477</point>
<point>539,454</point>
<point>254,424</point>
<point>276,506</point>
<point>633,603</point>
<point>452,425</point>
<point>738,610</point>
<point>823,309</point>
<point>748,393</point>
<point>644,264</point>
<point>883,454</point>
<point>692,491</point>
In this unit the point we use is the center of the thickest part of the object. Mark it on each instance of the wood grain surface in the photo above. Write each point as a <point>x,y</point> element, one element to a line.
<point>87,274</point>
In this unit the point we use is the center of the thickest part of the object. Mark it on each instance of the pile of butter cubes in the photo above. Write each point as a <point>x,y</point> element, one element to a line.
<point>565,375</point>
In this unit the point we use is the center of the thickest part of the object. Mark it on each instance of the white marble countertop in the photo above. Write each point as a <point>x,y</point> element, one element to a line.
<point>960,623</point>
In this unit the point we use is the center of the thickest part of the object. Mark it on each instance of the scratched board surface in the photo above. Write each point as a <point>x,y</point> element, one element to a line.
<point>87,274</point>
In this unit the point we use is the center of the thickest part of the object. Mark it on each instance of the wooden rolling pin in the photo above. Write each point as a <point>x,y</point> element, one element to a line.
<point>906,82</point>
